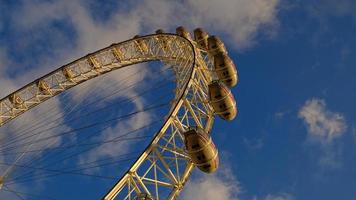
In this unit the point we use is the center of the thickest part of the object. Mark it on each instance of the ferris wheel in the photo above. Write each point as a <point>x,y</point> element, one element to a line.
<point>204,74</point>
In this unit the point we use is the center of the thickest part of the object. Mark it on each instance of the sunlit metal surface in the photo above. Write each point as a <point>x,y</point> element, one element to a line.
<point>162,170</point>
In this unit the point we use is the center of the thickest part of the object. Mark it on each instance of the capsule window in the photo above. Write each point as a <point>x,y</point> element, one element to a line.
<point>206,166</point>
<point>222,106</point>
<point>222,65</point>
<point>218,96</point>
<point>229,80</point>
<point>227,114</point>
<point>225,73</point>
<point>195,146</point>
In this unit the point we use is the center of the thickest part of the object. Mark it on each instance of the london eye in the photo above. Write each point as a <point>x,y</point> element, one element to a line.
<point>202,74</point>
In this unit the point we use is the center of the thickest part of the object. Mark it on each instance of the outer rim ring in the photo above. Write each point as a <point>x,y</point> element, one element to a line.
<point>177,100</point>
<point>86,56</point>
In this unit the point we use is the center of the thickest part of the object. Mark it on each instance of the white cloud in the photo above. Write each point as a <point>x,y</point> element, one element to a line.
<point>220,186</point>
<point>135,122</point>
<point>282,196</point>
<point>209,188</point>
<point>6,85</point>
<point>16,129</point>
<point>331,158</point>
<point>323,125</point>
<point>240,20</point>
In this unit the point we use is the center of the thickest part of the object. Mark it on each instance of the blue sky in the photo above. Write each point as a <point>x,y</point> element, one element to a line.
<point>294,137</point>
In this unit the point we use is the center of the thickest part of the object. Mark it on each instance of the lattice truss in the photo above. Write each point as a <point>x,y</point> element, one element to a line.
<point>163,47</point>
<point>164,167</point>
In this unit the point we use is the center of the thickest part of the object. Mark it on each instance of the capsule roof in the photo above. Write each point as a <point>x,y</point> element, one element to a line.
<point>181,31</point>
<point>215,45</point>
<point>159,31</point>
<point>200,34</point>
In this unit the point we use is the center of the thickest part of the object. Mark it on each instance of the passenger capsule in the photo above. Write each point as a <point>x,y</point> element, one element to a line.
<point>16,101</point>
<point>201,150</point>
<point>141,45</point>
<point>225,69</point>
<point>222,100</point>
<point>215,45</point>
<point>181,31</point>
<point>201,37</point>
<point>44,87</point>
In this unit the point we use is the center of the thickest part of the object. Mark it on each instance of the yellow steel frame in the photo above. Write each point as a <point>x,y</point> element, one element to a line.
<point>164,167</point>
